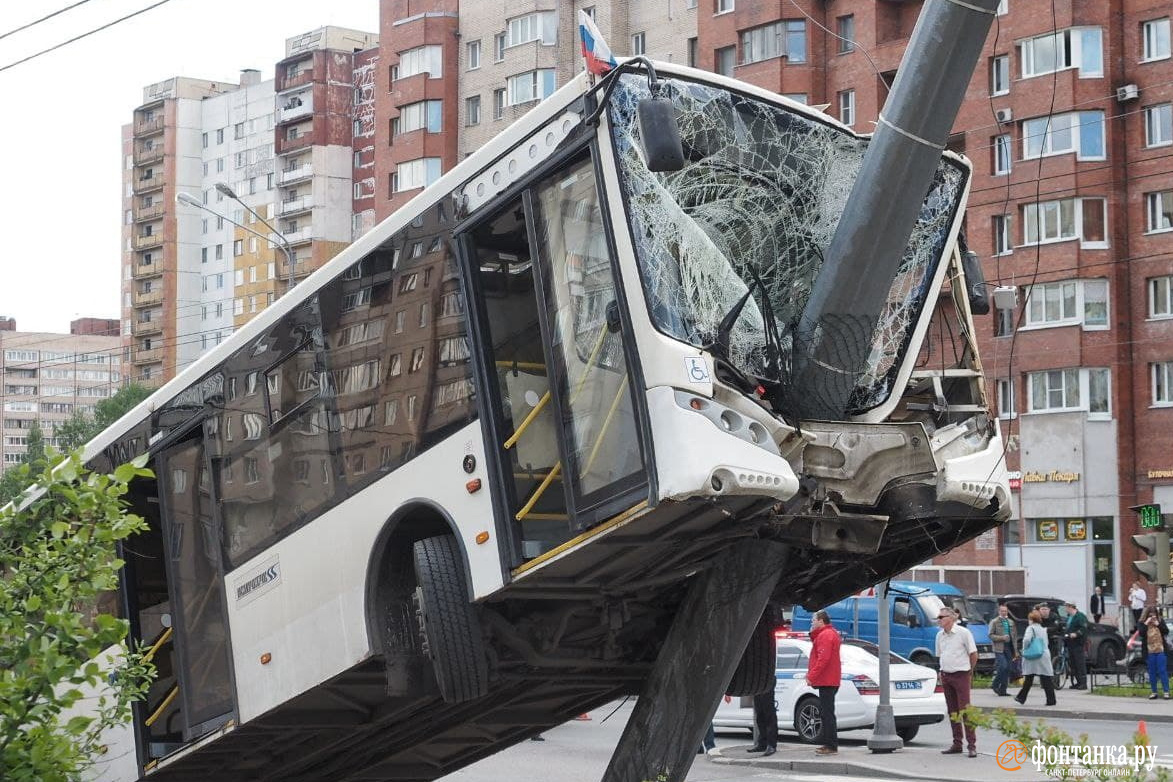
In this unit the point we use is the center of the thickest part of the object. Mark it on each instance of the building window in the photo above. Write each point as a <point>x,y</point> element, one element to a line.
<point>237,248</point>
<point>847,107</point>
<point>1002,244</point>
<point>639,44</point>
<point>1002,156</point>
<point>1162,383</point>
<point>204,140</point>
<point>724,60</point>
<point>1067,303</point>
<point>540,26</point>
<point>1081,132</point>
<point>220,136</point>
<point>422,59</point>
<point>219,252</point>
<point>1158,125</point>
<point>498,103</point>
<point>722,6</point>
<point>473,53</point>
<point>472,110</point>
<point>424,114</point>
<point>1078,47</point>
<point>784,38</point>
<point>499,47</point>
<point>1066,390</point>
<point>1161,297</point>
<point>532,85</point>
<point>1006,407</point>
<point>1159,211</point>
<point>1065,219</point>
<point>417,173</point>
<point>1000,74</point>
<point>1155,39</point>
<point>845,29</point>
<point>692,52</point>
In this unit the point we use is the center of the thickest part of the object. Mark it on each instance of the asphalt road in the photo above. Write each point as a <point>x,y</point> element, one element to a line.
<point>579,751</point>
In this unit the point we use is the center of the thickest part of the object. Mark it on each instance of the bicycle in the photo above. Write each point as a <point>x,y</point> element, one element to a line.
<point>1063,672</point>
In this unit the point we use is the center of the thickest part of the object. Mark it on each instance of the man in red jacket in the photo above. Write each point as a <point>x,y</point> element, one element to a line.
<point>824,673</point>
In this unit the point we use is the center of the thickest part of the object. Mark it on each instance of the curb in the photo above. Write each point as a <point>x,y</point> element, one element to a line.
<point>1103,716</point>
<point>830,767</point>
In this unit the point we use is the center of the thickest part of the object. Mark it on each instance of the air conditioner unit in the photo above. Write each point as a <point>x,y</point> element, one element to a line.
<point>1003,116</point>
<point>1127,92</point>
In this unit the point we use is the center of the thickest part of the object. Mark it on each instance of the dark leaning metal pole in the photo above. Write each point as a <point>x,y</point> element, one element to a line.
<point>864,256</point>
<point>703,647</point>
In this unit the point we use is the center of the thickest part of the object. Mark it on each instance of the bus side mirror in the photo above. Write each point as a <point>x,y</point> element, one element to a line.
<point>660,135</point>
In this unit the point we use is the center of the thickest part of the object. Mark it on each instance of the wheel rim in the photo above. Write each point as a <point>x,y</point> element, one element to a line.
<point>810,721</point>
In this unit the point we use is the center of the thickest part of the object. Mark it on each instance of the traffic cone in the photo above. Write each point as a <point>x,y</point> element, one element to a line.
<point>583,717</point>
<point>1141,729</point>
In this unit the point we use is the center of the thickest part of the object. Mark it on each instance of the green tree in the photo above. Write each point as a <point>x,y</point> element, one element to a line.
<point>57,556</point>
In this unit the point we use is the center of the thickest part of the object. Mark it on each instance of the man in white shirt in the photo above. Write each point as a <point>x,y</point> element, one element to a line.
<point>1136,600</point>
<point>957,654</point>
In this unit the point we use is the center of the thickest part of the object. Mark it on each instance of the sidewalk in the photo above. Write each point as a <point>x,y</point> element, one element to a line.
<point>926,762</point>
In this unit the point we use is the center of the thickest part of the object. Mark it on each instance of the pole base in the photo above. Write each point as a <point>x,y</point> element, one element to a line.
<point>884,738</point>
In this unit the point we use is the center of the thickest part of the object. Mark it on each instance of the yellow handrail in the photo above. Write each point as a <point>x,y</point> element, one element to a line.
<point>162,706</point>
<point>529,365</point>
<point>538,492</point>
<point>513,438</point>
<point>164,638</point>
<point>606,423</point>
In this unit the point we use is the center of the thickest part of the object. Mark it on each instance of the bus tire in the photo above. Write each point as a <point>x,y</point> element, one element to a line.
<point>755,671</point>
<point>448,622</point>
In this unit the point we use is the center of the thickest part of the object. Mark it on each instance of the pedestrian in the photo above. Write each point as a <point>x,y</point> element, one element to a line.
<point>1050,623</point>
<point>1005,648</point>
<point>1136,600</point>
<point>765,722</point>
<point>1095,606</point>
<point>1036,660</point>
<point>1075,638</point>
<point>957,654</point>
<point>709,742</point>
<point>824,672</point>
<point>1154,648</point>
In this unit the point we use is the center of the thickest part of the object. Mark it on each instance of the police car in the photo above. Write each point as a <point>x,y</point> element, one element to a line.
<point>916,697</point>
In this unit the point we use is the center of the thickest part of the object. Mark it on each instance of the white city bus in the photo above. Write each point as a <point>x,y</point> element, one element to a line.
<point>446,493</point>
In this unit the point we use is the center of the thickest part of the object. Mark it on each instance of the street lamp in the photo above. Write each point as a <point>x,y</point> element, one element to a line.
<point>190,200</point>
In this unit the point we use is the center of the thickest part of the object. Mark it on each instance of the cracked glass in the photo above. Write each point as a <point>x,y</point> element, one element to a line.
<point>762,191</point>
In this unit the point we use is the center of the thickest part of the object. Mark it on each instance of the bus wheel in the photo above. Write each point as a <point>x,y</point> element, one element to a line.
<point>448,621</point>
<point>755,672</point>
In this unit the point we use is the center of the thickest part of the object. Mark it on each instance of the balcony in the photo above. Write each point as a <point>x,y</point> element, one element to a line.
<point>145,184</point>
<point>147,242</point>
<point>152,212</point>
<point>286,145</point>
<point>294,173</point>
<point>143,298</point>
<point>293,205</point>
<point>300,236</point>
<point>301,267</point>
<point>144,327</point>
<point>290,112</point>
<point>152,269</point>
<point>144,156</point>
<point>292,82</point>
<point>152,356</point>
<point>148,126</point>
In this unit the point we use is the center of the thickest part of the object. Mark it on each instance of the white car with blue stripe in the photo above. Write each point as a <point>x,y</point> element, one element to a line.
<point>915,695</point>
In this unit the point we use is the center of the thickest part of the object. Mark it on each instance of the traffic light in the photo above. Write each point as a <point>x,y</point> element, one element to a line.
<point>1156,546</point>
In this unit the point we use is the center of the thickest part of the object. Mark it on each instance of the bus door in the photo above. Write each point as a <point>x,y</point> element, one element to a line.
<point>559,392</point>
<point>205,692</point>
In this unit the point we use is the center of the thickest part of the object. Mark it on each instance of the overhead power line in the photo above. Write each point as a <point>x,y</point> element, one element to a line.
<point>76,38</point>
<point>47,17</point>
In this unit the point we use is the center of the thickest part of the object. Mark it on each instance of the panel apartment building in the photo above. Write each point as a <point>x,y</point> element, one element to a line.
<point>278,152</point>
<point>47,377</point>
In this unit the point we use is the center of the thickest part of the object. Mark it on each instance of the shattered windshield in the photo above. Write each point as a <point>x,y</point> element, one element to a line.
<point>762,190</point>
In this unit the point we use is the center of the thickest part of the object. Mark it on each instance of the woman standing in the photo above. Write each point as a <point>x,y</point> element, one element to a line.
<point>1038,666</point>
<point>1152,648</point>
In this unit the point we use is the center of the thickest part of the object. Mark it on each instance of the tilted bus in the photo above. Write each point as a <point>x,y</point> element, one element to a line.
<point>448,491</point>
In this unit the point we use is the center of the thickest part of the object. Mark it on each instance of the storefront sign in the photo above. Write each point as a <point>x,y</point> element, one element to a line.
<point>1015,477</point>
<point>1160,474</point>
<point>1076,529</point>
<point>1048,529</point>
<point>1054,476</point>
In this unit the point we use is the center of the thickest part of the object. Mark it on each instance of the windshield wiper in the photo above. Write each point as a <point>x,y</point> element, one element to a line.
<point>719,347</point>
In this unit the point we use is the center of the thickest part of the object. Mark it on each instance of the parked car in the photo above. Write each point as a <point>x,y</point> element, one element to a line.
<point>915,695</point>
<point>912,617</point>
<point>982,608</point>
<point>1106,646</point>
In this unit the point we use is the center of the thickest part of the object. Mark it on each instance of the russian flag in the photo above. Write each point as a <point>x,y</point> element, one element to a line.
<point>595,50</point>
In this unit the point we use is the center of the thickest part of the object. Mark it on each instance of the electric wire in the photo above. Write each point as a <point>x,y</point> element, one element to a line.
<point>44,18</point>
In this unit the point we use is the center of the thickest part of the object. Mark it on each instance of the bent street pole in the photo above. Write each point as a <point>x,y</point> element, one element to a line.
<point>696,662</point>
<point>850,293</point>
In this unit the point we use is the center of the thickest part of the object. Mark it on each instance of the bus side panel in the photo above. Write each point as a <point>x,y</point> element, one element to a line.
<point>302,602</point>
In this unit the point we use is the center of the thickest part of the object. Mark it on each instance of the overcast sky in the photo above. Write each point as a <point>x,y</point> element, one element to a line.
<point>60,203</point>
